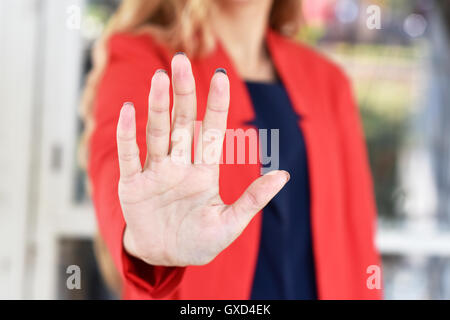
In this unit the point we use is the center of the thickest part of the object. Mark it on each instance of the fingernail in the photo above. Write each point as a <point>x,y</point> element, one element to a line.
<point>128,104</point>
<point>274,172</point>
<point>127,116</point>
<point>127,108</point>
<point>288,176</point>
<point>180,52</point>
<point>161,70</point>
<point>221,70</point>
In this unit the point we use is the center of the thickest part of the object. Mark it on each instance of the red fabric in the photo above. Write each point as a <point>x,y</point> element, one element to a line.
<point>343,211</point>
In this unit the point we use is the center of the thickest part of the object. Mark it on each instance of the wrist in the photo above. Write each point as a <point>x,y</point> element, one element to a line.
<point>128,243</point>
<point>138,251</point>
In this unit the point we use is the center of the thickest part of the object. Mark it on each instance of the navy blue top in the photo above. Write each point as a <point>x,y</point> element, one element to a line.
<point>285,267</point>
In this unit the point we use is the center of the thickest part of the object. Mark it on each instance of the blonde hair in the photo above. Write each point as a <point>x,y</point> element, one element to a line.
<point>182,25</point>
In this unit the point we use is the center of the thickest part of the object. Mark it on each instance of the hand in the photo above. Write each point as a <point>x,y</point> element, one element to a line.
<point>172,207</point>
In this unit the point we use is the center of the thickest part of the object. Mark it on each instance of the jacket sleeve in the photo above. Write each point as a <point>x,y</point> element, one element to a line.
<point>359,193</point>
<point>131,63</point>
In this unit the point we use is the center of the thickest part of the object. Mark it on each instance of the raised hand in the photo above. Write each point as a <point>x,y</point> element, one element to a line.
<point>172,207</point>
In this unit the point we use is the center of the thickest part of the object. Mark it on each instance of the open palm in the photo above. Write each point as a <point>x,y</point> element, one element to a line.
<point>172,207</point>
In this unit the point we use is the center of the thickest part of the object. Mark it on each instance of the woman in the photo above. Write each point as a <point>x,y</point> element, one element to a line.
<point>180,228</point>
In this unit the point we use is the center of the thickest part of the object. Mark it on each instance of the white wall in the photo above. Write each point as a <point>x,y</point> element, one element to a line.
<point>40,68</point>
<point>18,43</point>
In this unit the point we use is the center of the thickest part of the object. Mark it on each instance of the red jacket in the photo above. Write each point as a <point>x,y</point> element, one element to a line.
<point>342,204</point>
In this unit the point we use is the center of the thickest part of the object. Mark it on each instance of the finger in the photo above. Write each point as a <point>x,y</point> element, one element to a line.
<point>184,107</point>
<point>215,120</point>
<point>254,199</point>
<point>158,124</point>
<point>128,151</point>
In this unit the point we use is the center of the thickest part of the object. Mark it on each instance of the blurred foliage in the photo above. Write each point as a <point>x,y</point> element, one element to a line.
<point>101,12</point>
<point>385,83</point>
<point>101,9</point>
<point>386,100</point>
<point>384,138</point>
<point>311,35</point>
<point>392,52</point>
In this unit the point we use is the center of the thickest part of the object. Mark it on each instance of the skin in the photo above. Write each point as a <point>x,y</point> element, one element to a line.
<point>172,208</point>
<point>241,25</point>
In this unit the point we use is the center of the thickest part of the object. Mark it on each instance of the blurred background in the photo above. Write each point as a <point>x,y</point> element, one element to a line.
<point>395,51</point>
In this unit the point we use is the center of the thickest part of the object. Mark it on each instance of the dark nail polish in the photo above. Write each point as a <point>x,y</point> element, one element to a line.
<point>161,70</point>
<point>221,70</point>
<point>180,52</point>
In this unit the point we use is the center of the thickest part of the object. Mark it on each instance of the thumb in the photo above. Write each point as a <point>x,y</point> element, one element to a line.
<point>257,195</point>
